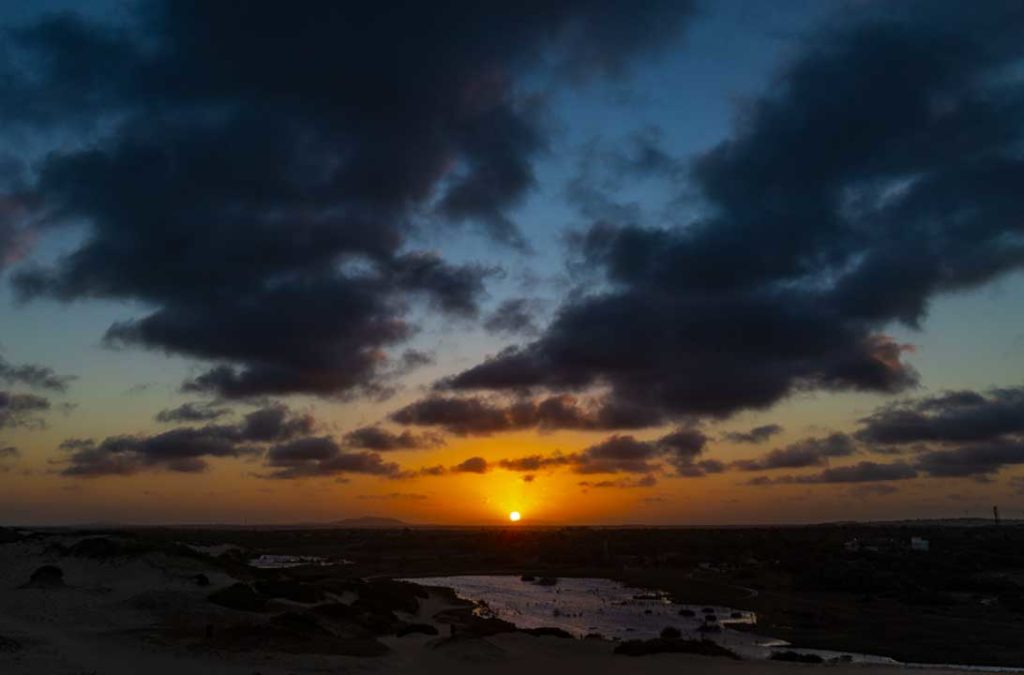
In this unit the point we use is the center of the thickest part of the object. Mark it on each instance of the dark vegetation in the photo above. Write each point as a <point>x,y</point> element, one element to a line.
<point>47,576</point>
<point>241,597</point>
<point>550,631</point>
<point>8,644</point>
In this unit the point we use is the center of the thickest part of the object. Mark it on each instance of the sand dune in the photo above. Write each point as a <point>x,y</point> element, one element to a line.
<point>147,614</point>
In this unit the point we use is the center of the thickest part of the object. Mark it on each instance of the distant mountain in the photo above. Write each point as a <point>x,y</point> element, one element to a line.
<point>369,522</point>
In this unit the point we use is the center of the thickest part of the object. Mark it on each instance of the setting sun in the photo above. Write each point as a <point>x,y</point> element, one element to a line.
<point>514,516</point>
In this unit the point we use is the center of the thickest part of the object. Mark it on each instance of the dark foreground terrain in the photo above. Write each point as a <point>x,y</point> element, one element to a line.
<point>859,588</point>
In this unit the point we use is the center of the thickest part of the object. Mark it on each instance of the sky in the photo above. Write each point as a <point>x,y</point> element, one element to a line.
<point>677,263</point>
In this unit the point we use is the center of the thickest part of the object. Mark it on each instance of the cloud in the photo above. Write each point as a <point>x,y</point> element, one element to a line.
<point>9,452</point>
<point>961,433</point>
<point>851,195</point>
<point>808,452</point>
<point>396,497</point>
<point>33,375</point>
<point>184,449</point>
<point>260,200</point>
<point>383,440</point>
<point>756,435</point>
<point>471,465</point>
<point>646,481</point>
<point>618,454</point>
<point>873,490</point>
<point>973,460</point>
<point>952,417</point>
<point>515,316</point>
<point>275,422</point>
<point>862,472</point>
<point>475,415</point>
<point>16,222</point>
<point>191,412</point>
<point>680,449</point>
<point>22,410</point>
<point>322,456</point>
<point>534,462</point>
<point>603,168</point>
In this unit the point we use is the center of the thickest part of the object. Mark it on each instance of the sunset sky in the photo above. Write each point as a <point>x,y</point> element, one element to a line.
<point>707,262</point>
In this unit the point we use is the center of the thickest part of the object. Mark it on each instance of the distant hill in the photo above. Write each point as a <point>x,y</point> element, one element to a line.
<point>369,522</point>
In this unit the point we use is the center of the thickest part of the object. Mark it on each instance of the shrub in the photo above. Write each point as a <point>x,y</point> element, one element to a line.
<point>239,596</point>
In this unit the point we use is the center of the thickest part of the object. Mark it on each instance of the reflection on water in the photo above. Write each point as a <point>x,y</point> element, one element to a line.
<point>616,611</point>
<point>583,606</point>
<point>270,561</point>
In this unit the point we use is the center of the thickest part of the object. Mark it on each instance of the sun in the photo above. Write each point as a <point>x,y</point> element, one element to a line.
<point>514,516</point>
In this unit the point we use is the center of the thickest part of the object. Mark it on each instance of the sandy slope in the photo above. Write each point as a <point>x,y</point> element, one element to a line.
<point>113,619</point>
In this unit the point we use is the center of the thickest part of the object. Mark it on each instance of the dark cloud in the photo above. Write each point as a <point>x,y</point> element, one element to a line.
<point>954,434</point>
<point>396,497</point>
<point>603,168</point>
<point>873,490</point>
<point>253,174</point>
<point>535,462</point>
<point>516,316</point>
<point>618,454</point>
<point>322,456</point>
<point>412,359</point>
<point>953,417</point>
<point>862,472</point>
<point>22,410</point>
<point>852,194</point>
<point>32,375</point>
<point>808,452</point>
<point>974,460</point>
<point>756,435</point>
<point>646,481</point>
<point>273,423</point>
<point>680,449</point>
<point>437,470</point>
<point>701,468</point>
<point>472,465</point>
<point>184,449</point>
<point>16,224</point>
<point>191,412</point>
<point>476,415</point>
<point>459,416</point>
<point>383,440</point>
